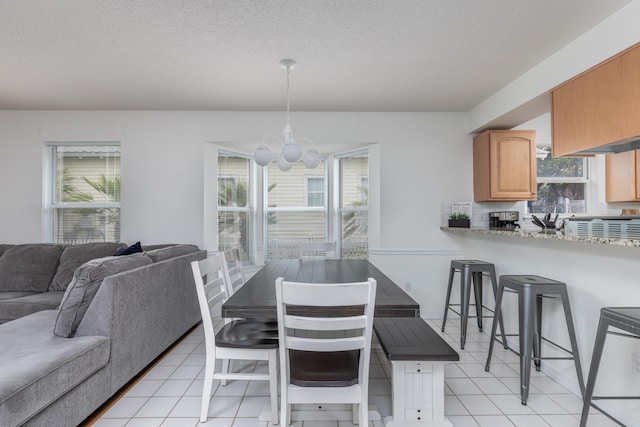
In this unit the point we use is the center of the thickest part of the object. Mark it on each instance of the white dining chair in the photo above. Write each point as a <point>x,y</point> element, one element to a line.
<point>317,250</point>
<point>325,359</point>
<point>234,270</point>
<point>243,339</point>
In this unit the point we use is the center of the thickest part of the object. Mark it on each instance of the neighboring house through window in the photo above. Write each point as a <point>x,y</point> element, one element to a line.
<point>296,209</point>
<point>82,192</point>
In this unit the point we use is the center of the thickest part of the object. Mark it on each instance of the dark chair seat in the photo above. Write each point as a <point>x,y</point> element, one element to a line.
<point>247,333</point>
<point>270,323</point>
<point>309,368</point>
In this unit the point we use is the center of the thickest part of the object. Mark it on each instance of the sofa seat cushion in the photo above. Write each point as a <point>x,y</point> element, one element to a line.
<point>38,367</point>
<point>73,256</point>
<point>15,294</point>
<point>29,267</point>
<point>23,305</point>
<point>86,282</point>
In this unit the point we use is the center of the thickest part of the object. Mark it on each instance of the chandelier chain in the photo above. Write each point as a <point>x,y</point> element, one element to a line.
<point>288,98</point>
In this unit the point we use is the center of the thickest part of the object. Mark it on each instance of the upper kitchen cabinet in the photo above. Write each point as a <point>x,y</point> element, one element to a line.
<point>598,107</point>
<point>504,165</point>
<point>622,177</point>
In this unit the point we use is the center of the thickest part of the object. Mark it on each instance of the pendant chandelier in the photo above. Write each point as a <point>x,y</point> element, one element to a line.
<point>291,151</point>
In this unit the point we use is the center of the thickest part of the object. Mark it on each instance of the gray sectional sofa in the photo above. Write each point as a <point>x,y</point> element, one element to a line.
<point>74,334</point>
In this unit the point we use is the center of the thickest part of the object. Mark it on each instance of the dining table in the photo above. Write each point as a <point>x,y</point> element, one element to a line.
<point>257,297</point>
<point>417,371</point>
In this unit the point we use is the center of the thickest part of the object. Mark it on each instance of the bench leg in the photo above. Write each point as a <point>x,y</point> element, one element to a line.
<point>418,395</point>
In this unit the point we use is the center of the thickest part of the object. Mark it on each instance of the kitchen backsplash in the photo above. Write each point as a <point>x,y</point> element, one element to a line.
<point>480,212</point>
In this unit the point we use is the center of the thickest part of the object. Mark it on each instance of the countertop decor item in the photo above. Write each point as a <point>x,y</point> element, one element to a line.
<point>291,152</point>
<point>460,220</point>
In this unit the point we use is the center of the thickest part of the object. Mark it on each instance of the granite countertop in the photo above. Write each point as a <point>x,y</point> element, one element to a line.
<point>536,234</point>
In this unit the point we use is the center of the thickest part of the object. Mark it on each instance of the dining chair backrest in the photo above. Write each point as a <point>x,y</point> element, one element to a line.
<point>324,358</point>
<point>318,249</point>
<point>211,288</point>
<point>234,270</point>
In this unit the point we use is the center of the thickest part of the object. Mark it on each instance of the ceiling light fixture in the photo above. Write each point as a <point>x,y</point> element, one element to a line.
<point>291,152</point>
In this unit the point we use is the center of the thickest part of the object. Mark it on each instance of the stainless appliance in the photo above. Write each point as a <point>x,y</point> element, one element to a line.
<point>614,227</point>
<point>504,220</point>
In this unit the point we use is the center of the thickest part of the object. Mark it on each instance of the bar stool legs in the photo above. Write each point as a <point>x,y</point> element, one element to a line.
<point>471,272</point>
<point>531,290</point>
<point>624,318</point>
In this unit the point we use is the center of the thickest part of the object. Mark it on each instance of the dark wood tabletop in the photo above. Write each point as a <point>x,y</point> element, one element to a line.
<point>257,298</point>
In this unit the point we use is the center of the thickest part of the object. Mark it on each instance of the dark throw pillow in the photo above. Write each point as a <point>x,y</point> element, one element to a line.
<point>135,248</point>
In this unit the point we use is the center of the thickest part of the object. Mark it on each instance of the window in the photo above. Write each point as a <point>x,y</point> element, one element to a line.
<point>82,192</point>
<point>562,185</point>
<point>325,204</point>
<point>354,204</point>
<point>234,207</point>
<point>315,191</point>
<point>296,209</point>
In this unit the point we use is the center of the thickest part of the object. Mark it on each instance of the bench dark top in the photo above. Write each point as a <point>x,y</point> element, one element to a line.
<point>411,338</point>
<point>257,298</point>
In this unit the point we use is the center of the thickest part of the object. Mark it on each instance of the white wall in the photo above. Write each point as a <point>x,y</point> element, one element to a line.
<point>424,158</point>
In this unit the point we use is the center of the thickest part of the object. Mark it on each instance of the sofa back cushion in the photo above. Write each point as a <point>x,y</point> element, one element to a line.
<point>4,247</point>
<point>86,282</point>
<point>169,252</point>
<point>29,268</point>
<point>73,256</point>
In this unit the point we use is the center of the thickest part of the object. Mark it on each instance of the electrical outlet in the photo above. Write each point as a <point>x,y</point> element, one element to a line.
<point>635,364</point>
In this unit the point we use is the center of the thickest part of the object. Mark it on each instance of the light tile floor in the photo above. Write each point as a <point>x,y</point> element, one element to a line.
<point>169,394</point>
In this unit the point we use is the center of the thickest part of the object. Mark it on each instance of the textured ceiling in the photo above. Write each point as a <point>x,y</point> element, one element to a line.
<point>380,55</point>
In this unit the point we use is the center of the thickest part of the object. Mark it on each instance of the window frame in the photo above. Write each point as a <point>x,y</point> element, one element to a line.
<point>586,179</point>
<point>249,210</point>
<point>50,187</point>
<point>259,198</point>
<point>340,209</point>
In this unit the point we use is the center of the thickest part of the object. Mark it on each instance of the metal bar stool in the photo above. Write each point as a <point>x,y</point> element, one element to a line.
<point>623,318</point>
<point>471,270</point>
<point>531,290</point>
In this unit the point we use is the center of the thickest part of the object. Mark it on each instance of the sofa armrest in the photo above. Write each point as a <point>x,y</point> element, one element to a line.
<point>143,311</point>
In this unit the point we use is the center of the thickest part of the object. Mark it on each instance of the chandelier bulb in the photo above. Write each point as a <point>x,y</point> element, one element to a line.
<point>311,159</point>
<point>262,156</point>
<point>284,165</point>
<point>291,152</point>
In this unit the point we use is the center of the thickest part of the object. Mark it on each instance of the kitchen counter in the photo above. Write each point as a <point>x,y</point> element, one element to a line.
<point>536,234</point>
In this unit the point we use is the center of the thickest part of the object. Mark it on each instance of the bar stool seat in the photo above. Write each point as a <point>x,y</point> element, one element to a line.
<point>531,289</point>
<point>471,272</point>
<point>624,318</point>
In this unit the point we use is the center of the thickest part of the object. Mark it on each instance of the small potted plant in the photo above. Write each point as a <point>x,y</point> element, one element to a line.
<point>460,220</point>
